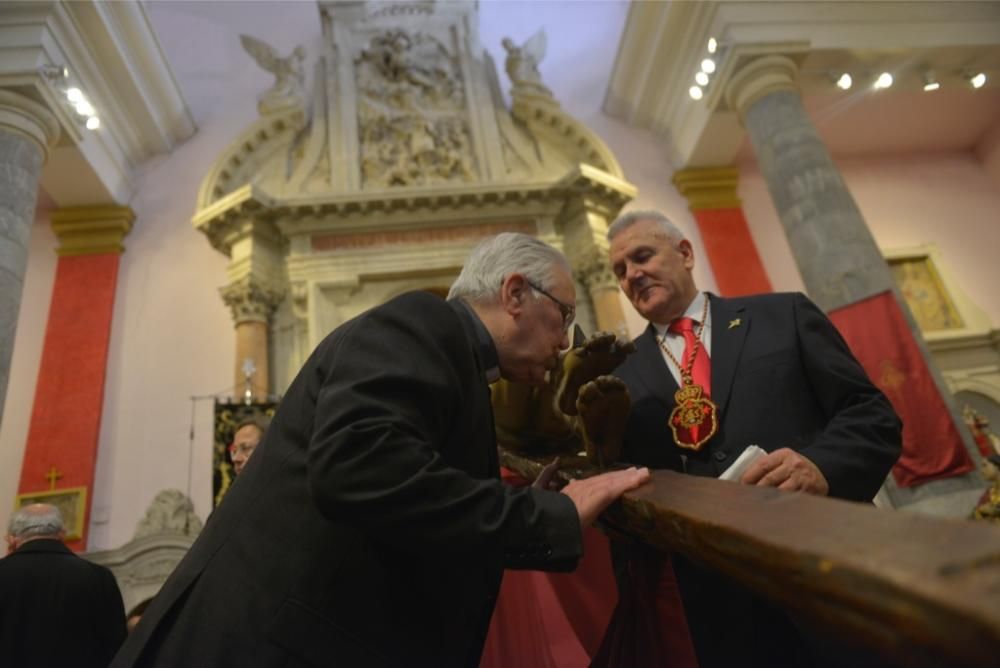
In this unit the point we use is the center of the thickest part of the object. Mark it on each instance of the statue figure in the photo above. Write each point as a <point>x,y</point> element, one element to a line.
<point>522,63</point>
<point>987,442</point>
<point>289,76</point>
<point>170,512</point>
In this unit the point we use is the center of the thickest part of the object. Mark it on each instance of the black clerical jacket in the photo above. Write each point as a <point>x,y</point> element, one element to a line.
<point>370,527</point>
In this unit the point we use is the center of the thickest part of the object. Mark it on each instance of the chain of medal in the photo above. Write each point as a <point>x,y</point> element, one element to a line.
<point>692,408</point>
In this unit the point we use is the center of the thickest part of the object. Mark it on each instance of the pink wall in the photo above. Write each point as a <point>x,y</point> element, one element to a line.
<point>946,199</point>
<point>988,152</point>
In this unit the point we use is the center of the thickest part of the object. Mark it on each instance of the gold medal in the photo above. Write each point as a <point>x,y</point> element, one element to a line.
<point>694,419</point>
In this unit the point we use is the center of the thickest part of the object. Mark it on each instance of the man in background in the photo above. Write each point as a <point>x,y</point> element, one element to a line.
<point>372,528</point>
<point>246,437</point>
<point>56,609</point>
<point>768,370</point>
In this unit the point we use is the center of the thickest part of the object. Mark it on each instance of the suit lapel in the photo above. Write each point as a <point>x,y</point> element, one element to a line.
<point>652,368</point>
<point>730,325</point>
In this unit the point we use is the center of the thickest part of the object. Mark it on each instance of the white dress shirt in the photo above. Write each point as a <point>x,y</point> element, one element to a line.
<point>675,342</point>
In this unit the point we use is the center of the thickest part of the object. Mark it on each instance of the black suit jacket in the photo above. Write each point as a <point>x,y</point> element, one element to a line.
<point>370,527</point>
<point>57,609</point>
<point>782,377</point>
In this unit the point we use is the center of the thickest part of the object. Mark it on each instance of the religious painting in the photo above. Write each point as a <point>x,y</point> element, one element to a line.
<point>925,294</point>
<point>71,502</point>
<point>227,416</point>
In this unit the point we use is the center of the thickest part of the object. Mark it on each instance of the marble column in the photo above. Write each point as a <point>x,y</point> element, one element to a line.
<point>732,253</point>
<point>27,129</point>
<point>252,304</point>
<point>841,265</point>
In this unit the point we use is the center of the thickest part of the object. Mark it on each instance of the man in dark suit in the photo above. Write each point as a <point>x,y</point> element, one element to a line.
<point>56,609</point>
<point>768,370</point>
<point>370,528</point>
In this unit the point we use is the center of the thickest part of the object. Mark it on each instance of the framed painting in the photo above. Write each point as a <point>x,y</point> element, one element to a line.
<point>71,502</point>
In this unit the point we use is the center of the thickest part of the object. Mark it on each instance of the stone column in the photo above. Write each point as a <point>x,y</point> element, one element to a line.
<point>252,305</point>
<point>27,129</point>
<point>584,224</point>
<point>841,265</point>
<point>732,253</point>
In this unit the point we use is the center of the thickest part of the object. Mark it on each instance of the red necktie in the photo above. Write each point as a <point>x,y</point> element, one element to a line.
<point>701,372</point>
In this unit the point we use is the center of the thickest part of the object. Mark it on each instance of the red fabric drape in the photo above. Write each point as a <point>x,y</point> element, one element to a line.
<point>553,620</point>
<point>877,333</point>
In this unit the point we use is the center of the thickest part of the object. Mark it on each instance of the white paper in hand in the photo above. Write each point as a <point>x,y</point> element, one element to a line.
<point>742,463</point>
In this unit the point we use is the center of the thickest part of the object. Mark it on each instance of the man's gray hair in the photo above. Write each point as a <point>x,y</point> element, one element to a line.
<point>632,217</point>
<point>494,259</point>
<point>36,520</point>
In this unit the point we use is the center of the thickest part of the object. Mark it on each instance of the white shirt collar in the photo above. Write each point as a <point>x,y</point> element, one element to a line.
<point>693,311</point>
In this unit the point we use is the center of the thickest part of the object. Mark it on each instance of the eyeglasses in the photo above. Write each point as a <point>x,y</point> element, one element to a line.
<point>568,312</point>
<point>244,449</point>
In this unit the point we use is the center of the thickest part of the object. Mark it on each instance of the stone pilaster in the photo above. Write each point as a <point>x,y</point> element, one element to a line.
<point>26,131</point>
<point>712,198</point>
<point>69,394</point>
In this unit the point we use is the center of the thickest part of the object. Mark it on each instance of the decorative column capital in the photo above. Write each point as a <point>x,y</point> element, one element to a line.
<point>592,269</point>
<point>251,300</point>
<point>92,230</point>
<point>758,78</point>
<point>29,118</point>
<point>711,188</point>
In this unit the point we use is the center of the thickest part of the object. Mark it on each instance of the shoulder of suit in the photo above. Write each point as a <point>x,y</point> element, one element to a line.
<point>767,299</point>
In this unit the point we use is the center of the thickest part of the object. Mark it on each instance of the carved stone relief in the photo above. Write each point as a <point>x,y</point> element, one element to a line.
<point>412,123</point>
<point>251,300</point>
<point>170,512</point>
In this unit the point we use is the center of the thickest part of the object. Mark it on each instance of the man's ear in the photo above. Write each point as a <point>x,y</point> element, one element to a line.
<point>513,291</point>
<point>687,250</point>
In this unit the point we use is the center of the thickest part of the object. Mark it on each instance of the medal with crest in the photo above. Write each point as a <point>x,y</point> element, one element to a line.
<point>694,419</point>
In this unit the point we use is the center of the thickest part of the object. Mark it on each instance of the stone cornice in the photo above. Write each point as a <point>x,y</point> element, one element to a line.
<point>411,208</point>
<point>543,115</point>
<point>711,188</point>
<point>92,230</point>
<point>112,54</point>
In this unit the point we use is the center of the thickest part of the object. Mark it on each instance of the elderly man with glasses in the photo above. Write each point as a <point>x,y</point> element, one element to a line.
<point>372,528</point>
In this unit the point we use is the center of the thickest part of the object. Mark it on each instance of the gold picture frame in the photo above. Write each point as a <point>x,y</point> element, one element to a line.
<point>71,502</point>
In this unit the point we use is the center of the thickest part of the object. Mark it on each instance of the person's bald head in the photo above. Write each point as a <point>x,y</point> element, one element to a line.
<point>33,522</point>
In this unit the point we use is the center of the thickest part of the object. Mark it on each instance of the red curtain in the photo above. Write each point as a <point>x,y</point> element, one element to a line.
<point>877,333</point>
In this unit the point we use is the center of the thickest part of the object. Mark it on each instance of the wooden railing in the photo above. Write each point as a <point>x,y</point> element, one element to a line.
<point>919,590</point>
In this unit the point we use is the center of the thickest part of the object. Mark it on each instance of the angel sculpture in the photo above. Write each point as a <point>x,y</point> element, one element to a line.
<point>289,76</point>
<point>522,62</point>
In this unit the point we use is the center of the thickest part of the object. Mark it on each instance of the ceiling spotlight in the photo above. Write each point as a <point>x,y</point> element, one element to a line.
<point>701,78</point>
<point>708,66</point>
<point>84,108</point>
<point>93,123</point>
<point>884,81</point>
<point>844,82</point>
<point>54,72</point>
<point>978,80</point>
<point>74,94</point>
<point>695,92</point>
<point>712,45</point>
<point>930,81</point>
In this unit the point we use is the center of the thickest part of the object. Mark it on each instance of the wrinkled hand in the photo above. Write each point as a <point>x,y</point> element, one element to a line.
<point>603,405</point>
<point>600,354</point>
<point>787,470</point>
<point>592,495</point>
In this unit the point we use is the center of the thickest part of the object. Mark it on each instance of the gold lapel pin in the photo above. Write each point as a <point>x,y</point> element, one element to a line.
<point>734,323</point>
